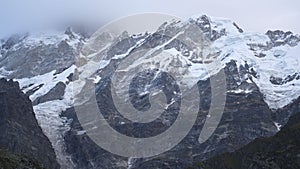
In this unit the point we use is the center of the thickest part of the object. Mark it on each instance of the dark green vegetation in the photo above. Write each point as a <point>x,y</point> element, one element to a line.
<point>281,151</point>
<point>12,161</point>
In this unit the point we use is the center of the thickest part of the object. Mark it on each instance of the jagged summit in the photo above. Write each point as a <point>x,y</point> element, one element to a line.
<point>216,27</point>
<point>263,77</point>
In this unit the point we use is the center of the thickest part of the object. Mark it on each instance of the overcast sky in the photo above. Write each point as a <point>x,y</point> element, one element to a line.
<point>251,15</point>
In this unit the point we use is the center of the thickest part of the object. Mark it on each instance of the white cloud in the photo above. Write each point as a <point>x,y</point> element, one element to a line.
<point>254,15</point>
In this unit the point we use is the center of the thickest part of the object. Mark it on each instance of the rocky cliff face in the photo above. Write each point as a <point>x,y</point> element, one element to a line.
<point>262,76</point>
<point>35,60</point>
<point>254,103</point>
<point>278,151</point>
<point>20,133</point>
<point>246,117</point>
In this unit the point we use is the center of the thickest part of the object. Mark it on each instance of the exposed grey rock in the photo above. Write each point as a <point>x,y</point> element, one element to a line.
<point>245,118</point>
<point>240,29</point>
<point>246,115</point>
<point>278,151</point>
<point>20,132</point>
<point>36,58</point>
<point>56,93</point>
<point>279,37</point>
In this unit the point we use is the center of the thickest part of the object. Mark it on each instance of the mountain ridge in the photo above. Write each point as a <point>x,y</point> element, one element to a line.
<point>252,61</point>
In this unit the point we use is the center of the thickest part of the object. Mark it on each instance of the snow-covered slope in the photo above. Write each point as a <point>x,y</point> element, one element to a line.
<point>277,62</point>
<point>272,56</point>
<point>40,61</point>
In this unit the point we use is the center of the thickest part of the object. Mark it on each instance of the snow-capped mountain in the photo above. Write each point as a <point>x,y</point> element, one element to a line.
<point>262,75</point>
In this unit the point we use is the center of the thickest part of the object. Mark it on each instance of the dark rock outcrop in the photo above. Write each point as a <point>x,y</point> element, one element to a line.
<point>279,37</point>
<point>246,117</point>
<point>56,93</point>
<point>20,133</point>
<point>51,56</point>
<point>277,152</point>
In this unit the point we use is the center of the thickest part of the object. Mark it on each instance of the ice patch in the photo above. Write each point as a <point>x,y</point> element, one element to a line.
<point>4,73</point>
<point>54,127</point>
<point>96,79</point>
<point>81,132</point>
<point>172,102</point>
<point>48,80</point>
<point>285,63</point>
<point>278,126</point>
<point>129,163</point>
<point>48,114</point>
<point>240,91</point>
<point>248,80</point>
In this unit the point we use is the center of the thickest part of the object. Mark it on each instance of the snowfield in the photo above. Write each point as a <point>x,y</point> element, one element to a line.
<point>279,61</point>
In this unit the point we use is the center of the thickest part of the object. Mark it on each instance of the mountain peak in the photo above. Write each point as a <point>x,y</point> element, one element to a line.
<point>215,27</point>
<point>279,37</point>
